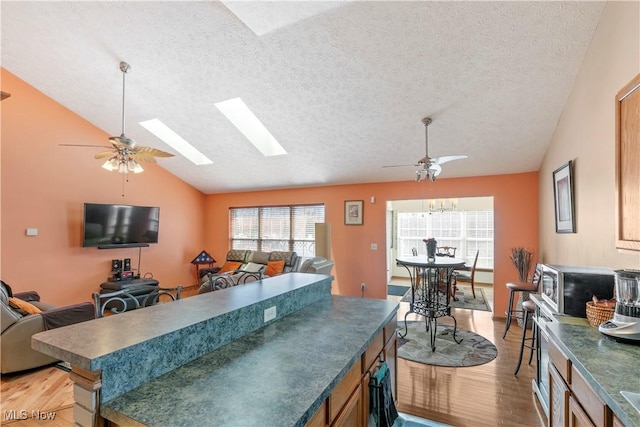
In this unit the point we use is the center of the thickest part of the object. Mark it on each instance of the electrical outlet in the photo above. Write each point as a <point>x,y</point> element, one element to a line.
<point>363,287</point>
<point>269,314</point>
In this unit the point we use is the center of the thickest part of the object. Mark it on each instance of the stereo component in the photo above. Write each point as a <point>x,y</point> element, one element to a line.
<point>116,264</point>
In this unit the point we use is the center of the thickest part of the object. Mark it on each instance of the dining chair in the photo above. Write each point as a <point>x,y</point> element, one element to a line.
<point>467,277</point>
<point>414,252</point>
<point>449,251</point>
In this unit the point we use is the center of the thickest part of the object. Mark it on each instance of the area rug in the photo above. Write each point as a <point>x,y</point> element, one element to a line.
<point>397,290</point>
<point>416,346</point>
<point>465,299</point>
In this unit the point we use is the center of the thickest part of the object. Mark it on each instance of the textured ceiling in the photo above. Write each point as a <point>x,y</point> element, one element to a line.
<point>343,86</point>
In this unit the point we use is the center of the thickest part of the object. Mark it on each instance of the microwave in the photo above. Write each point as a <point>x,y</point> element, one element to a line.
<point>567,289</point>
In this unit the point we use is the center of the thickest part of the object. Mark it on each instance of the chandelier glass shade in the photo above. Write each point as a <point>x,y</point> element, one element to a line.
<point>122,164</point>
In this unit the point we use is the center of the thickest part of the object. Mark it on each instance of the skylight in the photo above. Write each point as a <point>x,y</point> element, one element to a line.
<point>162,131</point>
<point>239,114</point>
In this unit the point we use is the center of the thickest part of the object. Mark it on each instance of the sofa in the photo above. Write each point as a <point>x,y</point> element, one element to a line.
<point>23,315</point>
<point>244,266</point>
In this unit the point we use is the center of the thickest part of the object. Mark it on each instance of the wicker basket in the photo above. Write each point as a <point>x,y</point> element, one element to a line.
<point>597,315</point>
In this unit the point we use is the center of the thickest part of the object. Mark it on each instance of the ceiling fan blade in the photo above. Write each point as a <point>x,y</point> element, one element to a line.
<point>143,157</point>
<point>83,145</point>
<point>104,154</point>
<point>152,151</point>
<point>398,166</point>
<point>445,159</point>
<point>436,168</point>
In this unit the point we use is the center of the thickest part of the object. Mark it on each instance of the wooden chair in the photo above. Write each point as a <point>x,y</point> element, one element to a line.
<point>470,277</point>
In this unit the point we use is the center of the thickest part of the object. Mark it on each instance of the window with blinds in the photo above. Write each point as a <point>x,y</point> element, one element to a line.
<point>468,231</point>
<point>276,228</point>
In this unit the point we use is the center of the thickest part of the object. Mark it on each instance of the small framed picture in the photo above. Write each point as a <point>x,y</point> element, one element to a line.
<point>563,198</point>
<point>353,212</point>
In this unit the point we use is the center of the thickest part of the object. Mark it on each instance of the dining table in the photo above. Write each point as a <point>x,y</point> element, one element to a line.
<point>431,291</point>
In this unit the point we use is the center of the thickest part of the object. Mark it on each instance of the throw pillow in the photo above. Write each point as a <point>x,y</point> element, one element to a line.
<point>230,266</point>
<point>274,268</point>
<point>253,267</point>
<point>18,304</point>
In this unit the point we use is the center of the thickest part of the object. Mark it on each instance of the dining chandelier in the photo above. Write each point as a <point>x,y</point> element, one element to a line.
<point>441,206</point>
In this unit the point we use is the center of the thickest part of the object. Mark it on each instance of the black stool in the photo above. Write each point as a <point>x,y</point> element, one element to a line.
<point>515,287</point>
<point>528,308</point>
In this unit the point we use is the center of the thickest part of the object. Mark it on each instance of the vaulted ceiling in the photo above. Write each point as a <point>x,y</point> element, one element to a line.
<point>343,86</point>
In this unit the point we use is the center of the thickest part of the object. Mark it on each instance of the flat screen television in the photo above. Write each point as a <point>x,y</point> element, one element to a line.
<point>112,226</point>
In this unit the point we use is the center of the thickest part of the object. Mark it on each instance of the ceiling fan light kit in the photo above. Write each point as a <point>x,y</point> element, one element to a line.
<point>430,167</point>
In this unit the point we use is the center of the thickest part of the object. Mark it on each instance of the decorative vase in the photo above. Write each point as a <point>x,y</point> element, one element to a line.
<point>431,249</point>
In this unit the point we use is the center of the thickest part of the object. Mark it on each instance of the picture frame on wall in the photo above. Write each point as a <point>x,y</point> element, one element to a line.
<point>353,212</point>
<point>563,198</point>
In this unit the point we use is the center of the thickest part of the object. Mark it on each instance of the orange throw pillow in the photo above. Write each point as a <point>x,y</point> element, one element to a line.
<point>17,303</point>
<point>274,268</point>
<point>230,266</point>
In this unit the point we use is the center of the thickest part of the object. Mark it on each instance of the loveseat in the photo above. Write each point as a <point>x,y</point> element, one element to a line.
<point>243,266</point>
<point>23,314</point>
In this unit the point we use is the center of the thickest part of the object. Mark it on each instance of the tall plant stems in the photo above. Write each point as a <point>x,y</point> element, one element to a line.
<point>522,259</point>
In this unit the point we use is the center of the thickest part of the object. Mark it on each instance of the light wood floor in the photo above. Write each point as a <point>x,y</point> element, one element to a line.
<point>485,395</point>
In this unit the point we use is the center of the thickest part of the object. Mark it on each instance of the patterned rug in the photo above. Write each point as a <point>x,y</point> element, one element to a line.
<point>465,299</point>
<point>416,345</point>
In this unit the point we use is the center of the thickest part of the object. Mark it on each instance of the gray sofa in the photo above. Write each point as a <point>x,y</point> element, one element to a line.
<point>253,266</point>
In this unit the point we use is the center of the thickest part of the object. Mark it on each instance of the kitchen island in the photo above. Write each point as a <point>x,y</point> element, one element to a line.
<point>212,358</point>
<point>606,366</point>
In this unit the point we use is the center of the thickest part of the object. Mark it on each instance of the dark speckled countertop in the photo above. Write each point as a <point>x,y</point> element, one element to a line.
<point>607,365</point>
<point>276,376</point>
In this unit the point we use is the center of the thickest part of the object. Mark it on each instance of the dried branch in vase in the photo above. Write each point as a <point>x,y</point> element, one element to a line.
<point>522,259</point>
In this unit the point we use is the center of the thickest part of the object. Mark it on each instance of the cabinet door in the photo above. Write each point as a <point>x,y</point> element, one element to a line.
<point>558,399</point>
<point>390,356</point>
<point>319,419</point>
<point>627,171</point>
<point>577,416</point>
<point>351,414</point>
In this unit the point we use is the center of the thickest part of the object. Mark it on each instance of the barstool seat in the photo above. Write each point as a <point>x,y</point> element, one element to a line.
<point>528,308</point>
<point>515,287</point>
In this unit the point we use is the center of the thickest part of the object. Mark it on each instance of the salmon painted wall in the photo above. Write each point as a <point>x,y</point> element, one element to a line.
<point>516,224</point>
<point>44,186</point>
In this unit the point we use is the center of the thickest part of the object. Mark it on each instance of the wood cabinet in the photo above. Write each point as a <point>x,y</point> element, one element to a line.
<point>577,416</point>
<point>351,414</point>
<point>348,403</point>
<point>572,401</point>
<point>559,395</point>
<point>628,166</point>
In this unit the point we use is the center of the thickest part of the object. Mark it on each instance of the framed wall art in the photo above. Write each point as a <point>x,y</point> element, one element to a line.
<point>353,212</point>
<point>563,198</point>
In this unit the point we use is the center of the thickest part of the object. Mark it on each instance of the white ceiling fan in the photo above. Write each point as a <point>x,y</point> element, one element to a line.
<point>123,156</point>
<point>429,167</point>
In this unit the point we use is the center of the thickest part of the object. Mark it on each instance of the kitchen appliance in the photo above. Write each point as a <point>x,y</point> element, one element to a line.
<point>625,324</point>
<point>566,289</point>
<point>542,317</point>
